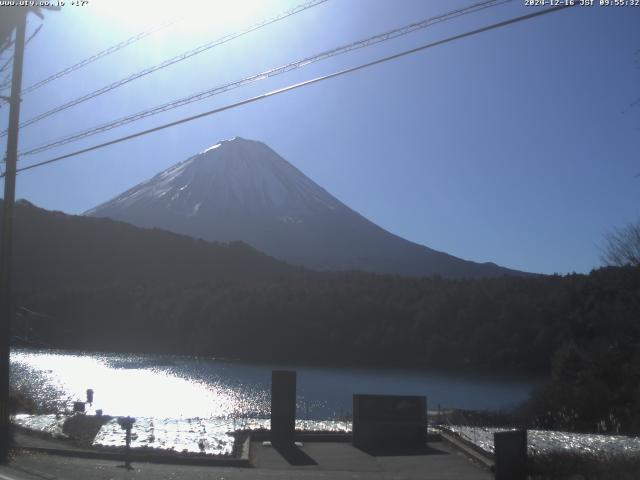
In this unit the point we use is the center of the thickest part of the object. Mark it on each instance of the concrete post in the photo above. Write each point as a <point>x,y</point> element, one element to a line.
<point>510,455</point>
<point>283,407</point>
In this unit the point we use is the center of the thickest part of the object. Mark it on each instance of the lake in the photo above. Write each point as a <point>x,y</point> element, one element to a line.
<point>175,386</point>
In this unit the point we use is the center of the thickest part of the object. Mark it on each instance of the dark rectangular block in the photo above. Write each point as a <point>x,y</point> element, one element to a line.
<point>389,421</point>
<point>510,450</point>
<point>283,406</point>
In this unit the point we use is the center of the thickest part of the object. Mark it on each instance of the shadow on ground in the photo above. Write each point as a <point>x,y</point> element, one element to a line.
<point>294,455</point>
<point>400,451</point>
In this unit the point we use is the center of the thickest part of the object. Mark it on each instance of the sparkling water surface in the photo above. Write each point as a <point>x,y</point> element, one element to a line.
<point>192,404</point>
<point>542,443</point>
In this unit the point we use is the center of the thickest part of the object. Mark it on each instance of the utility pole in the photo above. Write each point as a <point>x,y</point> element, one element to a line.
<point>7,232</point>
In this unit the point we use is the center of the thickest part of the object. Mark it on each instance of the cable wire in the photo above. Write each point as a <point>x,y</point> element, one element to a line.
<point>299,85</point>
<point>26,42</point>
<point>9,62</point>
<point>6,64</point>
<point>388,35</point>
<point>103,53</point>
<point>166,63</point>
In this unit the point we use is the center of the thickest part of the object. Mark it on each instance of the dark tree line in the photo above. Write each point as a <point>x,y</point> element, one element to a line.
<point>94,284</point>
<point>582,330</point>
<point>53,249</point>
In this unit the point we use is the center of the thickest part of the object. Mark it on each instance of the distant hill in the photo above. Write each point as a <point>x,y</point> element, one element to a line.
<point>242,190</point>
<point>53,249</point>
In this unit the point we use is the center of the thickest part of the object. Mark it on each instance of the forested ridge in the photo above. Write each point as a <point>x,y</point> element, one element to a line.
<point>53,249</point>
<point>507,324</point>
<point>153,291</point>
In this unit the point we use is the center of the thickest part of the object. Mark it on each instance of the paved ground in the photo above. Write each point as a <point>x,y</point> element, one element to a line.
<point>317,460</point>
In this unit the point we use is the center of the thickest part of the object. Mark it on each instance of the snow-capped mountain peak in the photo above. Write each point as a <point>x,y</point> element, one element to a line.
<point>241,189</point>
<point>232,174</point>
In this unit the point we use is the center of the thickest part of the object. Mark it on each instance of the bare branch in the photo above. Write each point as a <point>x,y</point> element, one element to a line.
<point>622,246</point>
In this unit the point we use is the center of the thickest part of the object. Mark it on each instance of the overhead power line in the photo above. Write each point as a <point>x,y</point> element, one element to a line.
<point>6,64</point>
<point>103,53</point>
<point>5,84</point>
<point>299,85</point>
<point>373,40</point>
<point>171,61</point>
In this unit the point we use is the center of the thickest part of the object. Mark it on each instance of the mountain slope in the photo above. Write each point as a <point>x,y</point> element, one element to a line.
<point>242,190</point>
<point>52,249</point>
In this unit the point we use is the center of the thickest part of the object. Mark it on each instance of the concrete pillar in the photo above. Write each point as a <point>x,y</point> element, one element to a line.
<point>395,421</point>
<point>510,455</point>
<point>283,407</point>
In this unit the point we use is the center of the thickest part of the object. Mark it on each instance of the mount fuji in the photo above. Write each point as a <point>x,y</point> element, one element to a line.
<point>242,190</point>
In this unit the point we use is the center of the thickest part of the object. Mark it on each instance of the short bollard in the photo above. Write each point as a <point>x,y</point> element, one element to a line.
<point>127,423</point>
<point>510,449</point>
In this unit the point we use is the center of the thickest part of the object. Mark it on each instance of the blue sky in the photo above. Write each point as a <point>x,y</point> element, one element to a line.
<point>514,146</point>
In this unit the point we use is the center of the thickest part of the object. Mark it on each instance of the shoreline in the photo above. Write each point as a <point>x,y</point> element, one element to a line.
<point>550,452</point>
<point>78,432</point>
<point>482,374</point>
<point>191,437</point>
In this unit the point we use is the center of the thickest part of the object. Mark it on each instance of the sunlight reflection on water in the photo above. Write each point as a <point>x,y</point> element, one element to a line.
<point>212,436</point>
<point>127,389</point>
<point>171,386</point>
<point>545,443</point>
<point>193,404</point>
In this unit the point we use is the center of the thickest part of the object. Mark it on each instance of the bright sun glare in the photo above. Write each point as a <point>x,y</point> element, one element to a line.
<point>195,15</point>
